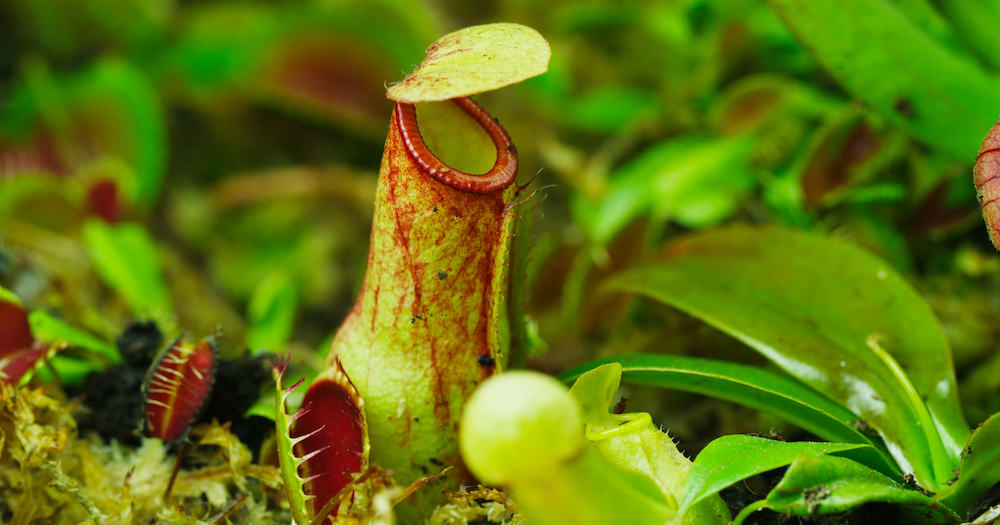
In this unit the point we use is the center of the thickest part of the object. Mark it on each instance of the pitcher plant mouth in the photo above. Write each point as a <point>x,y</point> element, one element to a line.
<point>504,169</point>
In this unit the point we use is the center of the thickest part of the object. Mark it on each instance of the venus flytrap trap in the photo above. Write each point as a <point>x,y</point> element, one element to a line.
<point>176,388</point>
<point>322,446</point>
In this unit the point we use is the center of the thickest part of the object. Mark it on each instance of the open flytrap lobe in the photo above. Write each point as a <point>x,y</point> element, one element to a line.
<point>177,386</point>
<point>20,353</point>
<point>322,446</point>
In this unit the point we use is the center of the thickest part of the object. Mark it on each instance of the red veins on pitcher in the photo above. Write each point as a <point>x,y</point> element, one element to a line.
<point>986,174</point>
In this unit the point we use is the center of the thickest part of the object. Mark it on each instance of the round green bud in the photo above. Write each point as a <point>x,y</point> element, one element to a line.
<point>518,425</point>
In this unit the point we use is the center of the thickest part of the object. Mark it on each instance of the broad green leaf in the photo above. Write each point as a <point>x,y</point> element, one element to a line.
<point>695,180</point>
<point>9,296</point>
<point>474,60</point>
<point>829,484</point>
<point>939,96</point>
<point>56,331</point>
<point>271,314</point>
<point>125,257</point>
<point>980,467</point>
<point>70,370</point>
<point>729,459</point>
<point>976,23</point>
<point>747,385</point>
<point>930,22</point>
<point>832,316</point>
<point>633,442</point>
<point>611,109</point>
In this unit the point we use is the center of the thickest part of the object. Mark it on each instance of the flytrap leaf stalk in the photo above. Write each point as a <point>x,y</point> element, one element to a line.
<point>430,322</point>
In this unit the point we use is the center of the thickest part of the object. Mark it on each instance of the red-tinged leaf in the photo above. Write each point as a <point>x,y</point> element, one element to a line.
<point>840,153</point>
<point>20,364</point>
<point>15,333</point>
<point>38,155</point>
<point>19,353</point>
<point>332,434</point>
<point>177,386</point>
<point>103,200</point>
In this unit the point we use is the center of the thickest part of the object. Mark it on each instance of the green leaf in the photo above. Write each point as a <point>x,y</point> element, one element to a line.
<point>633,442</point>
<point>9,296</point>
<point>832,316</point>
<point>56,331</point>
<point>125,257</point>
<point>729,459</point>
<point>271,314</point>
<point>611,109</point>
<point>976,24</point>
<point>750,386</point>
<point>980,467</point>
<point>828,484</point>
<point>695,180</point>
<point>937,95</point>
<point>474,60</point>
<point>70,370</point>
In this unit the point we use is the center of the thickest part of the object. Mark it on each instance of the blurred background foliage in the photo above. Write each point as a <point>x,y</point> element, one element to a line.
<point>212,165</point>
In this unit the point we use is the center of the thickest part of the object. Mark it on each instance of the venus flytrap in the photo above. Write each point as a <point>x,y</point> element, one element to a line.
<point>322,446</point>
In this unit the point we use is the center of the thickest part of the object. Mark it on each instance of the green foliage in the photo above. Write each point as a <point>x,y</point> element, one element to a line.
<point>980,466</point>
<point>730,459</point>
<point>915,82</point>
<point>754,387</point>
<point>818,308</point>
<point>271,314</point>
<point>827,485</point>
<point>695,181</point>
<point>53,330</point>
<point>125,257</point>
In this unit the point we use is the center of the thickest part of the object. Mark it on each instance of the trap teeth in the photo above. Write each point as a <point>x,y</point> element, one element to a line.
<point>177,386</point>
